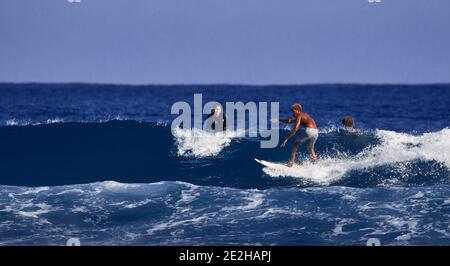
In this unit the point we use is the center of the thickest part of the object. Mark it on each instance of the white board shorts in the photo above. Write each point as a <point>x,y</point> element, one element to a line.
<point>309,135</point>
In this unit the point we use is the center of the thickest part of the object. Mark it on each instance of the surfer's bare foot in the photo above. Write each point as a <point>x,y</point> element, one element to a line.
<point>290,164</point>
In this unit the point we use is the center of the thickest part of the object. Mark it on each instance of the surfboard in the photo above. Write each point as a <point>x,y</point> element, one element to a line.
<point>276,166</point>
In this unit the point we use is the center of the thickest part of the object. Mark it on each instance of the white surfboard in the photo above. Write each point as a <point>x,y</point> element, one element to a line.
<point>276,166</point>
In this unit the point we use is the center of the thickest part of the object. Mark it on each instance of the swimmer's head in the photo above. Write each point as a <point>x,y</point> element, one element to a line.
<point>347,121</point>
<point>296,109</point>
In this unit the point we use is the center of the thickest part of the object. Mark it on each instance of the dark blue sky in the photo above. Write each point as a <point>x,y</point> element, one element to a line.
<point>226,41</point>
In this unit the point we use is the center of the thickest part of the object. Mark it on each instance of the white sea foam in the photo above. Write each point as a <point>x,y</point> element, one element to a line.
<point>34,191</point>
<point>138,204</point>
<point>72,190</point>
<point>12,122</point>
<point>254,200</point>
<point>113,185</point>
<point>339,227</point>
<point>199,143</point>
<point>418,195</point>
<point>40,208</point>
<point>394,148</point>
<point>189,195</point>
<point>15,122</point>
<point>54,120</point>
<point>79,209</point>
<point>275,212</point>
<point>172,224</point>
<point>404,237</point>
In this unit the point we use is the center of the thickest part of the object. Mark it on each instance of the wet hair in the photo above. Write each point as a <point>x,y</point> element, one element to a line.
<point>215,106</point>
<point>347,121</point>
<point>296,106</point>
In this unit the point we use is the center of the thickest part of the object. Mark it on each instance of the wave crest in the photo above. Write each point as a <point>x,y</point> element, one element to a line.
<point>199,143</point>
<point>394,148</point>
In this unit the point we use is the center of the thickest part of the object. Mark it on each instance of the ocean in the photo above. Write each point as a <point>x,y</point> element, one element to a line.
<point>100,163</point>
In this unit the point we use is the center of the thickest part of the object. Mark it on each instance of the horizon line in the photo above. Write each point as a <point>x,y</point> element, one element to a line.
<point>223,84</point>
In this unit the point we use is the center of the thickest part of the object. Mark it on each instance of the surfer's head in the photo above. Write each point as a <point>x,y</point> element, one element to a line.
<point>296,109</point>
<point>217,110</point>
<point>347,121</point>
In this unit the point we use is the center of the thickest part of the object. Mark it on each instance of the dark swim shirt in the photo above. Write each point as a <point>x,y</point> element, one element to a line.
<point>213,120</point>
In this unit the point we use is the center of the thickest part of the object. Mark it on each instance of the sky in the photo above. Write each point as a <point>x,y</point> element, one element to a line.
<point>225,41</point>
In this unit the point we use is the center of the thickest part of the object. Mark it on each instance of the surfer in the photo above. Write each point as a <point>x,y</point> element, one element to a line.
<point>217,120</point>
<point>348,123</point>
<point>308,135</point>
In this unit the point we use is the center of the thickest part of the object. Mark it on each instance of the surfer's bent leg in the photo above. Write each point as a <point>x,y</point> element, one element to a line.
<point>312,153</point>
<point>302,137</point>
<point>313,135</point>
<point>293,153</point>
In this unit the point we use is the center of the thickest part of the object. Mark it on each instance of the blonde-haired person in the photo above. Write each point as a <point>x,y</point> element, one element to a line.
<point>309,135</point>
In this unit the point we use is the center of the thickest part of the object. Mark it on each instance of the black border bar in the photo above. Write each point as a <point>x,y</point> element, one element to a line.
<point>359,255</point>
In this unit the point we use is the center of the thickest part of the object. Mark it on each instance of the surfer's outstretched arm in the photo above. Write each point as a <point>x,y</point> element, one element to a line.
<point>293,131</point>
<point>287,121</point>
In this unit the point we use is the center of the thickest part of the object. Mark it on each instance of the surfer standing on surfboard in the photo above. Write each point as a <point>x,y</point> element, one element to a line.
<point>309,135</point>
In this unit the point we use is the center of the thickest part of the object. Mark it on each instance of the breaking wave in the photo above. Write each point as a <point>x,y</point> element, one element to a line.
<point>139,152</point>
<point>395,149</point>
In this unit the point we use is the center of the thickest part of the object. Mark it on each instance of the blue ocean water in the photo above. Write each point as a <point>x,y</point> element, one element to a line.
<point>99,162</point>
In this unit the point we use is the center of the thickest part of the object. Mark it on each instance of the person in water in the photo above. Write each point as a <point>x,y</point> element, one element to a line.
<point>348,123</point>
<point>309,135</point>
<point>217,120</point>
